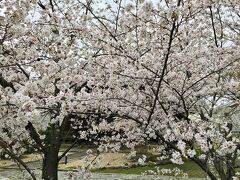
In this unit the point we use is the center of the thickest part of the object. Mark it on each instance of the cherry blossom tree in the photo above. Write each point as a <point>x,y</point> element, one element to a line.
<point>121,73</point>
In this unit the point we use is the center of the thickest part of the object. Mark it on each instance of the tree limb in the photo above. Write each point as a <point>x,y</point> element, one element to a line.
<point>16,158</point>
<point>5,83</point>
<point>34,135</point>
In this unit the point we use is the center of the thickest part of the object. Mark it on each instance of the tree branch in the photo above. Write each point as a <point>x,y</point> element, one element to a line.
<point>34,135</point>
<point>14,157</point>
<point>164,67</point>
<point>24,72</point>
<point>67,150</point>
<point>5,84</point>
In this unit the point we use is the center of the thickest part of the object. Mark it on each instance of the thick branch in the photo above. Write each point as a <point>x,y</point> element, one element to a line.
<point>51,4</point>
<point>5,84</point>
<point>16,158</point>
<point>34,135</point>
<point>164,67</point>
<point>203,167</point>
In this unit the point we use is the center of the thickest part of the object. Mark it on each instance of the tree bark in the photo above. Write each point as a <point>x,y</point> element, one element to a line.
<point>50,164</point>
<point>50,147</point>
<point>51,150</point>
<point>204,167</point>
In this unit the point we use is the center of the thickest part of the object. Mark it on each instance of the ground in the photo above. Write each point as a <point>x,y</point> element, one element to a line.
<point>113,163</point>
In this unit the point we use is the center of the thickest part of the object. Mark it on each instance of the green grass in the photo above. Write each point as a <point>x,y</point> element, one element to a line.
<point>188,167</point>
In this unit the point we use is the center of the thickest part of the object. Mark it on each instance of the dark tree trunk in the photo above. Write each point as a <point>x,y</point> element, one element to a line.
<point>50,165</point>
<point>50,146</point>
<point>51,149</point>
